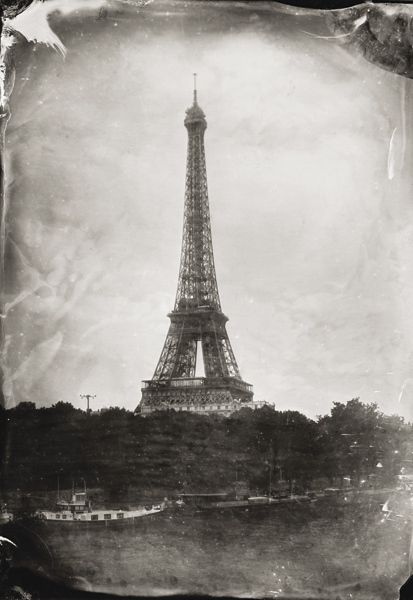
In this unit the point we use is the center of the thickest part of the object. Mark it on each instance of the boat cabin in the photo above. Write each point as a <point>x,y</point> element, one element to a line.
<point>78,504</point>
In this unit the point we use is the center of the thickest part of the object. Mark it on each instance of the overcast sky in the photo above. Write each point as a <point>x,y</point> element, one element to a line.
<point>312,239</point>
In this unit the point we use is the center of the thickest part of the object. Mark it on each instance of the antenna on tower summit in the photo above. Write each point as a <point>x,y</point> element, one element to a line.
<point>195,94</point>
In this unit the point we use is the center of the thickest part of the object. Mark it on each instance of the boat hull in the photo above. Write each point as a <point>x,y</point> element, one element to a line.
<point>44,520</point>
<point>253,505</point>
<point>80,525</point>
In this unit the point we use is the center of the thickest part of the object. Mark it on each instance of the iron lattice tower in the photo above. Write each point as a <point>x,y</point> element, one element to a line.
<point>197,315</point>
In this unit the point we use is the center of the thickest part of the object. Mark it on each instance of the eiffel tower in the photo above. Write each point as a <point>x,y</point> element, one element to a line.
<point>197,321</point>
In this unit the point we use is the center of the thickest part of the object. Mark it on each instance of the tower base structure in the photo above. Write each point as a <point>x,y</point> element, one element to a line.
<point>223,395</point>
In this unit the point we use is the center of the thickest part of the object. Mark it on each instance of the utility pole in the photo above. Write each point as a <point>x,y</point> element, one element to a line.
<point>271,463</point>
<point>88,397</point>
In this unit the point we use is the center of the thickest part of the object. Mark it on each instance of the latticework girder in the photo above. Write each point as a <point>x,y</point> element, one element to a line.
<point>197,315</point>
<point>178,358</point>
<point>197,283</point>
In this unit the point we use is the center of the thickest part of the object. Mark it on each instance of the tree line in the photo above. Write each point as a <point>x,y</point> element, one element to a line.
<point>169,452</point>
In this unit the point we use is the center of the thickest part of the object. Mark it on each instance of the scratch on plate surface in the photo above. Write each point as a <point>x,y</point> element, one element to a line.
<point>4,539</point>
<point>33,22</point>
<point>391,158</point>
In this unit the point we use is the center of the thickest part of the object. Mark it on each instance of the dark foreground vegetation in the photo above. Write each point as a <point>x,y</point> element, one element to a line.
<point>169,452</point>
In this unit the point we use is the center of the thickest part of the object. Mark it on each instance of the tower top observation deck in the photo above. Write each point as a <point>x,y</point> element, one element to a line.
<point>195,114</point>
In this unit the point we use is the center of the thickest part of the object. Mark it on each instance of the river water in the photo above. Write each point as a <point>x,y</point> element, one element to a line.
<point>322,550</point>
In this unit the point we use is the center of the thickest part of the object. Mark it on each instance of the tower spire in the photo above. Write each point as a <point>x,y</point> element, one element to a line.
<point>195,91</point>
<point>197,319</point>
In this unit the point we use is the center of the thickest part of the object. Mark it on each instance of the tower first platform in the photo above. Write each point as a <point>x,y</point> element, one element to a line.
<point>197,321</point>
